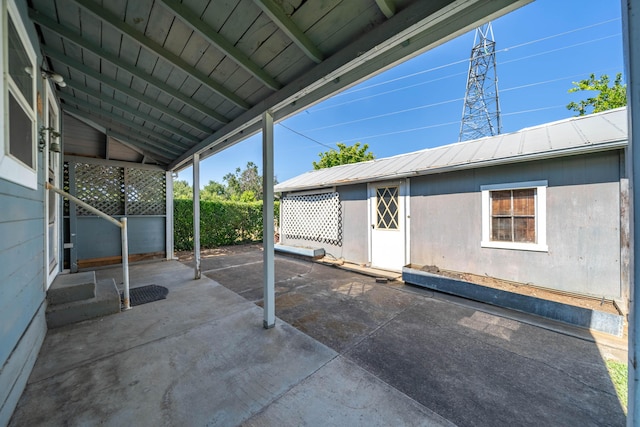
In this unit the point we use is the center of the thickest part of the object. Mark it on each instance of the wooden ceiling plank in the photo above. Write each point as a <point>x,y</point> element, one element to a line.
<point>292,31</point>
<point>126,122</point>
<point>159,50</point>
<point>124,107</point>
<point>45,21</point>
<point>150,150</point>
<point>191,19</point>
<point>123,88</point>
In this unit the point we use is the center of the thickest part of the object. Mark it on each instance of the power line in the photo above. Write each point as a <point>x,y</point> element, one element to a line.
<point>421,107</point>
<point>457,122</point>
<point>465,60</point>
<point>450,75</point>
<point>305,136</point>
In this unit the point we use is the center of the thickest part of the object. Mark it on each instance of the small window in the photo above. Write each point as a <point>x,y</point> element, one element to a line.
<point>514,216</point>
<point>387,208</point>
<point>18,122</point>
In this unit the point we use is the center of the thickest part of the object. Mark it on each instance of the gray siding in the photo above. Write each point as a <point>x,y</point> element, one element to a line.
<point>22,277</point>
<point>353,199</point>
<point>98,238</point>
<point>583,224</point>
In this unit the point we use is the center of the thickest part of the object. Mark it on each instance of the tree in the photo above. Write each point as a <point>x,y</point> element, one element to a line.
<point>346,154</point>
<point>609,97</point>
<point>214,191</point>
<point>182,190</point>
<point>243,181</point>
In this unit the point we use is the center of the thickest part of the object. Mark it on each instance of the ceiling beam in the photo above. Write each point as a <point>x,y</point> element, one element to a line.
<point>284,22</point>
<point>114,84</point>
<point>127,108</point>
<point>100,125</point>
<point>411,31</point>
<point>106,16</point>
<point>387,7</point>
<point>169,144</point>
<point>75,38</point>
<point>212,36</point>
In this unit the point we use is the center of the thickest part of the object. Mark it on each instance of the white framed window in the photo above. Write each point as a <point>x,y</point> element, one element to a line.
<point>514,216</point>
<point>18,148</point>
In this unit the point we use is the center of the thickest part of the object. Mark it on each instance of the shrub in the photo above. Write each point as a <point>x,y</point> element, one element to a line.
<point>222,223</point>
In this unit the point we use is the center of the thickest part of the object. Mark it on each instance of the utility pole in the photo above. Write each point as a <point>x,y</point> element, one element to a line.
<point>481,110</point>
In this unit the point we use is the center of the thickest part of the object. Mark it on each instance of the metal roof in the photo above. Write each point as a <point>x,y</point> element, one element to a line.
<point>174,78</point>
<point>591,133</point>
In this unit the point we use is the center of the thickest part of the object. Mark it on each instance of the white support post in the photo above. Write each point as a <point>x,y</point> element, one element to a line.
<point>631,41</point>
<point>169,215</point>
<point>125,262</point>
<point>196,215</point>
<point>267,222</point>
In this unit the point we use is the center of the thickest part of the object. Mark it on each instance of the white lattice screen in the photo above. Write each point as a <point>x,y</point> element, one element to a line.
<point>119,191</point>
<point>316,217</point>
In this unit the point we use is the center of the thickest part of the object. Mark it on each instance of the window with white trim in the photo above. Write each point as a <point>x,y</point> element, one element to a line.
<point>514,216</point>
<point>18,150</point>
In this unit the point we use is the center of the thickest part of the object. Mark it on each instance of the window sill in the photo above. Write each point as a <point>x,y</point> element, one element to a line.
<point>534,247</point>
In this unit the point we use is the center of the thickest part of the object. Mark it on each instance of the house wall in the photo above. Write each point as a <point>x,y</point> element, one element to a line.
<point>22,273</point>
<point>353,200</point>
<point>583,224</point>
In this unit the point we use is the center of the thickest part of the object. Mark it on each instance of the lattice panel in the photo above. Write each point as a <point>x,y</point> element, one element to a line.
<point>145,192</point>
<point>100,186</point>
<point>316,217</point>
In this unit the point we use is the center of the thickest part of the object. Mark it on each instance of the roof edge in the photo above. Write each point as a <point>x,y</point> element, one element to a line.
<point>565,152</point>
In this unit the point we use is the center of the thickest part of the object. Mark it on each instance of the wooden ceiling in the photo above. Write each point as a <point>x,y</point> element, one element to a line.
<point>173,78</point>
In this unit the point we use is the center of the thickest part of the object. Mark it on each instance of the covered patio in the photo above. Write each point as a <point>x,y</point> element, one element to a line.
<point>350,352</point>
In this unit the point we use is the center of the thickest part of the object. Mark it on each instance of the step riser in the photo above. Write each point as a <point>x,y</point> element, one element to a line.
<point>105,302</point>
<point>72,287</point>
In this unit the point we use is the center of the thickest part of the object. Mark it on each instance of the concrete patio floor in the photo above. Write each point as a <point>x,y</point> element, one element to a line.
<point>345,351</point>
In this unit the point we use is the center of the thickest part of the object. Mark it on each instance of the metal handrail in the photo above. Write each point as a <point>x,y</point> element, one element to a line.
<point>122,224</point>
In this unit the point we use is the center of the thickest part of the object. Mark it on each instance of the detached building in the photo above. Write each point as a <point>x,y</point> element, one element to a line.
<point>546,206</point>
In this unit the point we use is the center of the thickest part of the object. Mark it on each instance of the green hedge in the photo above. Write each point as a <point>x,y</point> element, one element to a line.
<point>222,223</point>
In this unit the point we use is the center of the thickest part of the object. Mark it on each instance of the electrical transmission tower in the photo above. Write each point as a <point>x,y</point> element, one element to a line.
<point>481,111</point>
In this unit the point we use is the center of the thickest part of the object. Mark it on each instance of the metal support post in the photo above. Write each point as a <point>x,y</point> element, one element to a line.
<point>196,215</point>
<point>169,237</point>
<point>267,222</point>
<point>125,262</point>
<point>631,43</point>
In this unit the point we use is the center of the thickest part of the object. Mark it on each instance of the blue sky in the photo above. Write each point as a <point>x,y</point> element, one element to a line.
<point>541,49</point>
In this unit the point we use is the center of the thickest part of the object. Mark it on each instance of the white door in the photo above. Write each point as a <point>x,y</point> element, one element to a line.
<point>387,207</point>
<point>52,200</point>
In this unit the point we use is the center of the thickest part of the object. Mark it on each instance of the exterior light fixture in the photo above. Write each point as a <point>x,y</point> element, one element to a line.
<point>55,77</point>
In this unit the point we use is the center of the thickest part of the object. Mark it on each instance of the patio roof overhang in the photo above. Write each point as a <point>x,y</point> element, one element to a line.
<point>175,79</point>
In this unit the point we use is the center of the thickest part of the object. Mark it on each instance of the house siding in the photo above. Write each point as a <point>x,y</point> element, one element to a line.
<point>353,200</point>
<point>583,224</point>
<point>22,286</point>
<point>22,273</point>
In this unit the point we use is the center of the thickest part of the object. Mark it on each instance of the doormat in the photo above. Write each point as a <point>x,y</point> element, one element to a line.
<point>145,294</point>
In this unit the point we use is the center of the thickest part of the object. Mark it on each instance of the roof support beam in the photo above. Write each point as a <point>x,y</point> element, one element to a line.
<point>79,66</point>
<point>411,31</point>
<point>74,38</point>
<point>235,54</point>
<point>277,15</point>
<point>168,142</point>
<point>128,109</point>
<point>387,7</point>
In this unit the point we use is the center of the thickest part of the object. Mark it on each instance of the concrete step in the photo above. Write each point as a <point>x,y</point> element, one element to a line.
<point>106,301</point>
<point>72,287</point>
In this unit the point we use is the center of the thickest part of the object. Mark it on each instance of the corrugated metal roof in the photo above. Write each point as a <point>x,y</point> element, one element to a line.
<point>594,132</point>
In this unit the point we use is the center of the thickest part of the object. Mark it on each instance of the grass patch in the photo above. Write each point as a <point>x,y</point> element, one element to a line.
<point>619,376</point>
